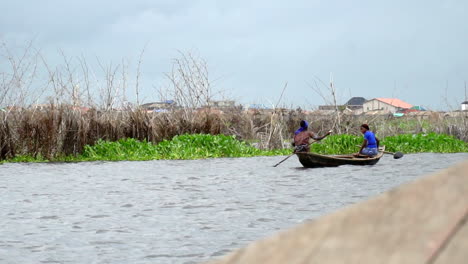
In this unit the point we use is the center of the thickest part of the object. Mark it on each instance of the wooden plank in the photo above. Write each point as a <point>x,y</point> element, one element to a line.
<point>403,225</point>
<point>456,250</point>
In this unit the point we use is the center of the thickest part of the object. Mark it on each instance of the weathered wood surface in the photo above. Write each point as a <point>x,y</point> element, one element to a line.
<point>419,222</point>
<point>313,160</point>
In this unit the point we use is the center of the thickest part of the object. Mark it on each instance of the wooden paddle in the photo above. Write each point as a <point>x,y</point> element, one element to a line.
<point>396,155</point>
<point>283,160</point>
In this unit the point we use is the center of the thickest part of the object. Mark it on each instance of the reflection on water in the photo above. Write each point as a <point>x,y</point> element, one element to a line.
<point>175,211</point>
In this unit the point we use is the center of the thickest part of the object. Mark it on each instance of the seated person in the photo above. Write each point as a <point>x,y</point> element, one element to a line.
<point>370,145</point>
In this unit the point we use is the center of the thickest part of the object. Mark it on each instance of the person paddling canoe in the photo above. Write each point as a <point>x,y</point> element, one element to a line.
<point>302,136</point>
<point>370,145</point>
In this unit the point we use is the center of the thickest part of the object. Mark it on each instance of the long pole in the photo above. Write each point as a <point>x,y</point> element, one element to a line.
<point>283,160</point>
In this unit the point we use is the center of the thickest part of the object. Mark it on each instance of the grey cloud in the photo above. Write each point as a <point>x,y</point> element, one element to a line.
<point>255,46</point>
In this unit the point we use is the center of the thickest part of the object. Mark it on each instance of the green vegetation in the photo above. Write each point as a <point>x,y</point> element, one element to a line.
<point>123,149</point>
<point>25,158</point>
<point>195,146</point>
<point>431,142</point>
<point>200,146</point>
<point>208,146</point>
<point>337,144</point>
<point>406,143</point>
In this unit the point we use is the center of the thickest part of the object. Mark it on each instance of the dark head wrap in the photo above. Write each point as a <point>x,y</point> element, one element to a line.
<point>304,126</point>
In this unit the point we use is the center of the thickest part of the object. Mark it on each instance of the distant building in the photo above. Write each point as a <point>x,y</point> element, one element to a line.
<point>41,106</point>
<point>258,109</point>
<point>258,106</point>
<point>355,105</point>
<point>356,101</point>
<point>464,106</point>
<point>328,107</point>
<point>391,105</point>
<point>418,108</point>
<point>222,104</point>
<point>159,106</point>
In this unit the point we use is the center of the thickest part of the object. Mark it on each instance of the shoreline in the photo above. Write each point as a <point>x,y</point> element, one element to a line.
<point>206,146</point>
<point>206,158</point>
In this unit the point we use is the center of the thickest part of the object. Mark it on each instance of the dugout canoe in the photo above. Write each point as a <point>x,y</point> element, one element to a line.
<point>313,160</point>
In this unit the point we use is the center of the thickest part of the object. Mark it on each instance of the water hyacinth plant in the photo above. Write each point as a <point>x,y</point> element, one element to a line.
<point>337,144</point>
<point>205,146</point>
<point>123,149</point>
<point>431,142</point>
<point>194,146</point>
<point>200,146</point>
<point>407,143</point>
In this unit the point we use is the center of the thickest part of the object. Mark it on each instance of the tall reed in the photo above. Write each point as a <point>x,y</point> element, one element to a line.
<point>60,131</point>
<point>85,105</point>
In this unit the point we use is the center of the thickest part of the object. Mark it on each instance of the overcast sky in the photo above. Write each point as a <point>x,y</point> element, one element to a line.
<point>413,50</point>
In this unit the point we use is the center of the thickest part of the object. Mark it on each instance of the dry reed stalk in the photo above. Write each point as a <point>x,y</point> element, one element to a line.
<point>64,126</point>
<point>63,130</point>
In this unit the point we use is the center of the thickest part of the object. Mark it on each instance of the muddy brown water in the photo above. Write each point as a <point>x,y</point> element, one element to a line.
<point>176,211</point>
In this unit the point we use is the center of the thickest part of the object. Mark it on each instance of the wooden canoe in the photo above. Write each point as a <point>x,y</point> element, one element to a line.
<point>313,160</point>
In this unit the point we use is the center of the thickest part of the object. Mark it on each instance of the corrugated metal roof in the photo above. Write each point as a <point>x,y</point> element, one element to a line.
<point>356,101</point>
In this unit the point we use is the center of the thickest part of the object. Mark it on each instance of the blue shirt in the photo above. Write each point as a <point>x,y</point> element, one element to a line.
<point>370,137</point>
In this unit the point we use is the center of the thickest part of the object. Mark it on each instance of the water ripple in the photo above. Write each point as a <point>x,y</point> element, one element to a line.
<point>176,211</point>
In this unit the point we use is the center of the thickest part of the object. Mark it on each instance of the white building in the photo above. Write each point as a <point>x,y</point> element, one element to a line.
<point>222,104</point>
<point>464,106</point>
<point>391,105</point>
<point>165,105</point>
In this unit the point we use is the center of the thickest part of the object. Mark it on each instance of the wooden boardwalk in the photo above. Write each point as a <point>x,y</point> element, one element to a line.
<point>424,221</point>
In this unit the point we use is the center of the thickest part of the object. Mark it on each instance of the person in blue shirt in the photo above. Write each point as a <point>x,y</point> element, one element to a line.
<point>370,145</point>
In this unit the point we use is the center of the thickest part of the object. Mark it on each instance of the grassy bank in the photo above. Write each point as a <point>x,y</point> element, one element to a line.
<point>183,147</point>
<point>201,146</point>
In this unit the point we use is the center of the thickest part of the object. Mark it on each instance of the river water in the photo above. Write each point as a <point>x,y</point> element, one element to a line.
<point>176,211</point>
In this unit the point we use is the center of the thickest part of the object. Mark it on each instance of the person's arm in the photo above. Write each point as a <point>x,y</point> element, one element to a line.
<point>378,142</point>
<point>320,138</point>
<point>364,144</point>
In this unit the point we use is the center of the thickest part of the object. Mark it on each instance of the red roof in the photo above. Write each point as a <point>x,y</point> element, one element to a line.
<point>395,102</point>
